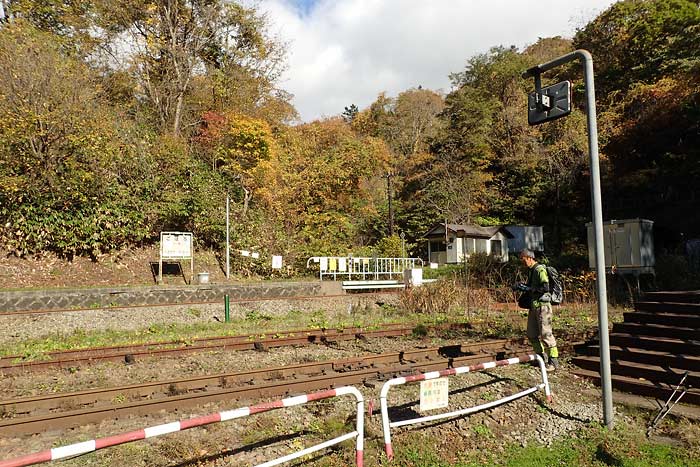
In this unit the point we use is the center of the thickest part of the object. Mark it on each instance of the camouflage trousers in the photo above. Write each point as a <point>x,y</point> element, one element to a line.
<point>539,329</point>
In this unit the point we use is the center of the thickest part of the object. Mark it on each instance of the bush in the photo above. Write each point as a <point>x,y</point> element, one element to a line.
<point>86,230</point>
<point>484,272</point>
<point>481,271</point>
<point>440,297</point>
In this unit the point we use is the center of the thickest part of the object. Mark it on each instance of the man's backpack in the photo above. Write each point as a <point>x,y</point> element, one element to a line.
<point>556,286</point>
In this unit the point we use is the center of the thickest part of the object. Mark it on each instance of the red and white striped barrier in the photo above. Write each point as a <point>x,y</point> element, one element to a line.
<point>387,424</point>
<point>85,447</point>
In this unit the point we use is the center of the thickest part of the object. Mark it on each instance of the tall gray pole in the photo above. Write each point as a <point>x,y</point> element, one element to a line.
<point>228,244</point>
<point>587,59</point>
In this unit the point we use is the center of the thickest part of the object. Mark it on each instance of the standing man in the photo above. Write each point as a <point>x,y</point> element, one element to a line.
<point>539,318</point>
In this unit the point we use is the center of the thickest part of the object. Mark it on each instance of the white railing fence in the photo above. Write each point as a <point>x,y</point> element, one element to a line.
<point>364,268</point>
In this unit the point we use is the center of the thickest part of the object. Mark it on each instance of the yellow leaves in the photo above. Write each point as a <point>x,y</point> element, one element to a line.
<point>13,183</point>
<point>244,142</point>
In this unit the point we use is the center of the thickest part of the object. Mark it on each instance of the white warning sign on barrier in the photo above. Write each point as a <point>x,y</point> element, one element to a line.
<point>434,394</point>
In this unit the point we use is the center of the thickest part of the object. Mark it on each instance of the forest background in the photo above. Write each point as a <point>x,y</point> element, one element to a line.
<point>120,119</point>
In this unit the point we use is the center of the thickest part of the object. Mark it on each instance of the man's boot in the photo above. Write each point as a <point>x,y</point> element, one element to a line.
<point>553,364</point>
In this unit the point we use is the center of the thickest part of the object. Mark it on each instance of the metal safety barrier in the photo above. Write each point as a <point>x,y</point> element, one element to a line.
<point>85,447</point>
<point>347,267</point>
<point>387,424</point>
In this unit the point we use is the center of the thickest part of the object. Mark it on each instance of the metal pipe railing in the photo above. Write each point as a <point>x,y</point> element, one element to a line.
<point>77,449</point>
<point>387,424</point>
<point>366,268</point>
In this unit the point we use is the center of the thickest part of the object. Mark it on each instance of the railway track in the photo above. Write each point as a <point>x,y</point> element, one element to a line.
<point>60,411</point>
<point>17,364</point>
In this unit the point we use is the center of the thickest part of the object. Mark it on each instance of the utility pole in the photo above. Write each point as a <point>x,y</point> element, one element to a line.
<point>389,196</point>
<point>228,242</point>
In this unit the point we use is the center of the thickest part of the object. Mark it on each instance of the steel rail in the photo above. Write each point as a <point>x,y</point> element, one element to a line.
<point>271,382</point>
<point>70,358</point>
<point>52,402</point>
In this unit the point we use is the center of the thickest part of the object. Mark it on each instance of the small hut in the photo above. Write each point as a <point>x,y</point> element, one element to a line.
<point>451,243</point>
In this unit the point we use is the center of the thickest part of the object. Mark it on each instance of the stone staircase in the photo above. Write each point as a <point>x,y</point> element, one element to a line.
<point>652,348</point>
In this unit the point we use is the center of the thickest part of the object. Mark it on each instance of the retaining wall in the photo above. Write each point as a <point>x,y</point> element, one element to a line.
<point>66,299</point>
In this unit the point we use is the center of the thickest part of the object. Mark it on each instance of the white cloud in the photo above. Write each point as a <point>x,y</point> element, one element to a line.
<point>344,52</point>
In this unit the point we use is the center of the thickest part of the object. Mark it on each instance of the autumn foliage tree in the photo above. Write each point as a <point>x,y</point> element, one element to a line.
<point>329,182</point>
<point>61,167</point>
<point>120,119</point>
<point>240,147</point>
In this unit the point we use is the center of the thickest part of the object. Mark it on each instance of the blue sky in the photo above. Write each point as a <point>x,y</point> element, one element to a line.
<point>344,52</point>
<point>303,6</point>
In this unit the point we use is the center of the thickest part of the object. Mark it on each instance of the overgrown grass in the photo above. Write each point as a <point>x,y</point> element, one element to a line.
<point>430,305</point>
<point>254,323</point>
<point>593,446</point>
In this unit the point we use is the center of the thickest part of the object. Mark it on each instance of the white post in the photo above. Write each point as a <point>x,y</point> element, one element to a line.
<point>228,244</point>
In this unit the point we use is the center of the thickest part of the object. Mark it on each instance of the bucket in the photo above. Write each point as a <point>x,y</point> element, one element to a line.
<point>202,277</point>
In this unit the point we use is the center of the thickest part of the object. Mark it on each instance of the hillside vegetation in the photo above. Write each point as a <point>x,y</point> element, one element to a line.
<point>121,119</point>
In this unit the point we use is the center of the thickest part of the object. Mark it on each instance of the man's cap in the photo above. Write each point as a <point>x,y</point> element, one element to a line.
<point>527,253</point>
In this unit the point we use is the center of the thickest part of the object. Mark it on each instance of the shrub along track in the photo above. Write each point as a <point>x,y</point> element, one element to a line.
<point>60,411</point>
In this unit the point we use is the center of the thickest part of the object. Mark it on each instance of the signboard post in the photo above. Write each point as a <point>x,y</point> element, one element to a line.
<point>175,245</point>
<point>228,241</point>
<point>548,104</point>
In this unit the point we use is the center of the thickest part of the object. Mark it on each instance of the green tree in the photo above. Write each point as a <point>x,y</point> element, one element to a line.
<point>179,46</point>
<point>63,176</point>
<point>647,67</point>
<point>350,112</point>
<point>642,40</point>
<point>407,124</point>
<point>514,170</point>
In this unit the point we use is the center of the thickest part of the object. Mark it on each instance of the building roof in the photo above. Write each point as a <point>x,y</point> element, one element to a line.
<point>466,230</point>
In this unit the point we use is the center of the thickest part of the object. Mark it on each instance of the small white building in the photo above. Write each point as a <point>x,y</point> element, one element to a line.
<point>450,243</point>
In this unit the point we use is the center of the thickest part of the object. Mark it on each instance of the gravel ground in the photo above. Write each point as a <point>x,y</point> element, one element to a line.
<point>523,421</point>
<point>527,420</point>
<point>13,328</point>
<point>259,438</point>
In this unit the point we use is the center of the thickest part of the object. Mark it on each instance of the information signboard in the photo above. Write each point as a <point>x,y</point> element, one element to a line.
<point>175,245</point>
